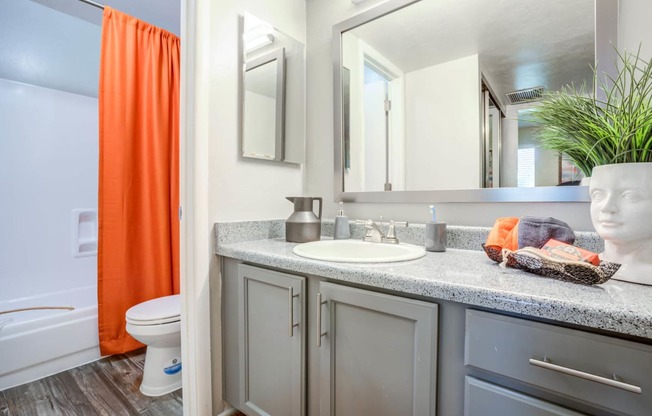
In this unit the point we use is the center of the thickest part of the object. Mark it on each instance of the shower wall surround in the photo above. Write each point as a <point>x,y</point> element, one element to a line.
<point>48,168</point>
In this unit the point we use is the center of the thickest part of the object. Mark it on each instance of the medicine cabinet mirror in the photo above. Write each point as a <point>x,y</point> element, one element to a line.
<point>430,97</point>
<point>272,93</point>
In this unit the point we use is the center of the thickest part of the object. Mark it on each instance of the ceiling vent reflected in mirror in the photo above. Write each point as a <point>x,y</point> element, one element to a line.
<point>525,96</point>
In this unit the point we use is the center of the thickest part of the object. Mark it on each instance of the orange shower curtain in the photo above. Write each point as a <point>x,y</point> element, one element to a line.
<point>138,202</point>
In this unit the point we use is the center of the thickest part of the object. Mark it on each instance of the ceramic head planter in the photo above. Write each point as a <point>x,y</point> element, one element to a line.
<point>621,211</point>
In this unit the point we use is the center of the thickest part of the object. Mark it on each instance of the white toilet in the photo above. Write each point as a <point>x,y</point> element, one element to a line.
<point>157,324</point>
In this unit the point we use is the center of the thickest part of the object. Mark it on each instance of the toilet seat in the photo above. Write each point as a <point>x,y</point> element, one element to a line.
<point>153,321</point>
<point>156,311</point>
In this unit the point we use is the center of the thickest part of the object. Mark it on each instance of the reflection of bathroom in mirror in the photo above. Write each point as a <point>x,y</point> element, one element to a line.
<point>533,165</point>
<point>264,110</point>
<point>492,115</point>
<point>435,90</point>
<point>272,93</point>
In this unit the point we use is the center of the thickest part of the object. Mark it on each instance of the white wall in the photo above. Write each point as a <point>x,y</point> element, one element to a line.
<point>442,109</point>
<point>48,167</point>
<point>243,188</point>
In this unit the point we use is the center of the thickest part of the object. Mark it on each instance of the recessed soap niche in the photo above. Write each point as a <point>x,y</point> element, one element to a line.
<point>84,232</point>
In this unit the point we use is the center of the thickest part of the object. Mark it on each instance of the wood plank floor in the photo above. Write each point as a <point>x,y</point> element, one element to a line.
<point>105,387</point>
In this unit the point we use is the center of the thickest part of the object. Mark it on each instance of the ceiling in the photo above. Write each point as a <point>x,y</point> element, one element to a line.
<point>56,43</point>
<point>520,43</point>
<point>161,13</point>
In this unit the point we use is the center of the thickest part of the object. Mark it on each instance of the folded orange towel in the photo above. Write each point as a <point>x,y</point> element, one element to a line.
<point>504,234</point>
<point>562,251</point>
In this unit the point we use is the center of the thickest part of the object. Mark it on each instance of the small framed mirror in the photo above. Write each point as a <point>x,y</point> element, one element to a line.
<point>272,93</point>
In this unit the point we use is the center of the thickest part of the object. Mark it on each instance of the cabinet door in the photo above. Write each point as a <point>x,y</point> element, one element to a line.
<point>378,353</point>
<point>486,399</point>
<point>272,335</point>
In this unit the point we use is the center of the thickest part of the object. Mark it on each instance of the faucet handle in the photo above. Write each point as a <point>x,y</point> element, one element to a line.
<point>391,234</point>
<point>369,223</point>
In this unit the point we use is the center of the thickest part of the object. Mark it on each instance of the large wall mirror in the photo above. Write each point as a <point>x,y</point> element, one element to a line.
<point>272,93</point>
<point>432,97</point>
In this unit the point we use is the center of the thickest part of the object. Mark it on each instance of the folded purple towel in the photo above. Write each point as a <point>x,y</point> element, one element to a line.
<point>536,231</point>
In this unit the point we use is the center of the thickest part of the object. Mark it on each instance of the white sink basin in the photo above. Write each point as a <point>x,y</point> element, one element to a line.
<point>357,251</point>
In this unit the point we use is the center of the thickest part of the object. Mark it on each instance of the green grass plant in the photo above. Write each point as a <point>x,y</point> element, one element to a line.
<point>599,129</point>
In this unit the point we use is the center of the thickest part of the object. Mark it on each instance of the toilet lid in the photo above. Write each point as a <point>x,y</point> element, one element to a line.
<point>156,311</point>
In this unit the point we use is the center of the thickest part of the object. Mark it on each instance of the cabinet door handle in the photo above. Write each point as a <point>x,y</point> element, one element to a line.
<point>291,307</point>
<point>587,376</point>
<point>319,331</point>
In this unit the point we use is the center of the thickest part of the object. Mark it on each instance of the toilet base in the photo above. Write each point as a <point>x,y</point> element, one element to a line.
<point>162,374</point>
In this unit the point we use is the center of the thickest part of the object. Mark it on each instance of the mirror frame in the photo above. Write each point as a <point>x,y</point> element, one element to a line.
<point>605,9</point>
<point>277,55</point>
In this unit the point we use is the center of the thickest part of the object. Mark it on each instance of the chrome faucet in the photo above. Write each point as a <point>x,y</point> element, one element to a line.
<point>375,234</point>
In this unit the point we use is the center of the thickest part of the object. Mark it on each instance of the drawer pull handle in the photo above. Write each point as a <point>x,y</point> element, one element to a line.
<point>587,376</point>
<point>291,307</point>
<point>320,334</point>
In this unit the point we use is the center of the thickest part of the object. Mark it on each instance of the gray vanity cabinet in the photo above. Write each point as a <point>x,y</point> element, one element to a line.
<point>297,346</point>
<point>271,363</point>
<point>378,353</point>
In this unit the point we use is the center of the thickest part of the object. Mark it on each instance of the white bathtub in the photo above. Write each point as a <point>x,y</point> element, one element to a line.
<point>35,344</point>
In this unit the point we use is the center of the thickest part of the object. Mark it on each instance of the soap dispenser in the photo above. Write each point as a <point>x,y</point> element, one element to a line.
<point>342,230</point>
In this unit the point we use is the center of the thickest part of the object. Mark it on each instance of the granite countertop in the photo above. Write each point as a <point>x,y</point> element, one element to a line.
<point>457,275</point>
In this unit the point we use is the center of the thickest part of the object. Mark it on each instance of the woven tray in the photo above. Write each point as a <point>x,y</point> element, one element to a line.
<point>534,261</point>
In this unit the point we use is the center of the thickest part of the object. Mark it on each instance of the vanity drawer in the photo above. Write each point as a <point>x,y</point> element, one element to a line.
<point>571,363</point>
<point>482,399</point>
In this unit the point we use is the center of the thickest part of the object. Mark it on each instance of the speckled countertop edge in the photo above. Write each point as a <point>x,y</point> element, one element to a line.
<point>463,276</point>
